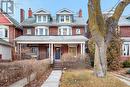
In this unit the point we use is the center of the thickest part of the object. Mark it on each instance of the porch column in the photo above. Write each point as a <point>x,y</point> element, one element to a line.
<point>51,53</point>
<point>49,50</point>
<point>20,50</point>
<point>81,48</point>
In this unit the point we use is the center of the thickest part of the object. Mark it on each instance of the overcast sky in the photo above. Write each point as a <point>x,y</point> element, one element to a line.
<point>54,5</point>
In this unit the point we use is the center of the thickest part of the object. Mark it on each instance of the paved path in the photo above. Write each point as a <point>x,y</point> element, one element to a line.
<point>123,79</point>
<point>54,79</point>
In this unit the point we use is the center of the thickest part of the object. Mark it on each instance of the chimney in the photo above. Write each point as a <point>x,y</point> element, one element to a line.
<point>29,13</point>
<point>22,15</point>
<point>80,13</point>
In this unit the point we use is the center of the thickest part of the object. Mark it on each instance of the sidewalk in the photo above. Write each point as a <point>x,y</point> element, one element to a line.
<point>54,79</point>
<point>123,79</point>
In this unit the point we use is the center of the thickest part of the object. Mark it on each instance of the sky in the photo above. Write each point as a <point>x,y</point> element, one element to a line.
<point>54,5</point>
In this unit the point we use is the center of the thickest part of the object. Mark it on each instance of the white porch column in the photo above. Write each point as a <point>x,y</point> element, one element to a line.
<point>20,50</point>
<point>51,53</point>
<point>81,48</point>
<point>49,50</point>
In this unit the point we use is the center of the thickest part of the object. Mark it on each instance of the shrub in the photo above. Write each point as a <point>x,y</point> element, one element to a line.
<point>128,71</point>
<point>74,62</point>
<point>14,71</point>
<point>126,63</point>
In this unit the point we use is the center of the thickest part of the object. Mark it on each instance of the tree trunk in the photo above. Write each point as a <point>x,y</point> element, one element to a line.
<point>100,62</point>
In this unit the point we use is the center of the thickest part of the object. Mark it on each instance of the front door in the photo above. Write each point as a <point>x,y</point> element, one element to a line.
<point>57,53</point>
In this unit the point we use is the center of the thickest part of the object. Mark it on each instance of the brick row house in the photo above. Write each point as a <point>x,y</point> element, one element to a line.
<point>124,28</point>
<point>9,30</point>
<point>50,36</point>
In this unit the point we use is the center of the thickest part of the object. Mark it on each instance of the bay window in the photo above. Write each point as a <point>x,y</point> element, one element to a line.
<point>65,30</point>
<point>42,30</point>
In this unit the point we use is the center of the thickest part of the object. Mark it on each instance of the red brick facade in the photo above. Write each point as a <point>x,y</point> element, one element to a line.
<point>125,31</point>
<point>53,30</point>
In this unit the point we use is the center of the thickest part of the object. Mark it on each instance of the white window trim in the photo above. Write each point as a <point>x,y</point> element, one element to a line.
<point>3,29</point>
<point>65,21</point>
<point>43,27</point>
<point>125,43</point>
<point>68,28</point>
<point>79,31</point>
<point>42,21</point>
<point>29,32</point>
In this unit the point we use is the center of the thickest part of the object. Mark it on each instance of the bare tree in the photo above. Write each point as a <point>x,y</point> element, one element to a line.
<point>102,30</point>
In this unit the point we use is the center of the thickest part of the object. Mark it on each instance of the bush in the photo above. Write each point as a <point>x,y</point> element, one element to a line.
<point>126,63</point>
<point>128,72</point>
<point>14,71</point>
<point>74,62</point>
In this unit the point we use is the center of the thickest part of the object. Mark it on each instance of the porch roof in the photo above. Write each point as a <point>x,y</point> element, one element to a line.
<point>51,39</point>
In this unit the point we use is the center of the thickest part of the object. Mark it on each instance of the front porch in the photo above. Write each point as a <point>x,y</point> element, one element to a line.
<point>50,49</point>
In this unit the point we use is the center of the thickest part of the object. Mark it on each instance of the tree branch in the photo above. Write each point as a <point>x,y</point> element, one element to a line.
<point>119,9</point>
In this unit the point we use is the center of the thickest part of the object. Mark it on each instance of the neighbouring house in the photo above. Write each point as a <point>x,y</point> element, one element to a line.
<point>5,50</point>
<point>9,30</point>
<point>48,36</point>
<point>124,29</point>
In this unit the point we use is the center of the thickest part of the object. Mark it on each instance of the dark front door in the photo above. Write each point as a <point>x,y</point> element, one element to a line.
<point>57,53</point>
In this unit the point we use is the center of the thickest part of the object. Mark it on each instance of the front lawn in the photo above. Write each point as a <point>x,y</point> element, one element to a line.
<point>85,78</point>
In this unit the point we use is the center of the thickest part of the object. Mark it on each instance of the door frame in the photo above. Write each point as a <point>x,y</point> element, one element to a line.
<point>55,53</point>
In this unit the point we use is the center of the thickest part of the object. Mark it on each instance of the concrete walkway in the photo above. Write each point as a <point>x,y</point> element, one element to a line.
<point>54,79</point>
<point>123,79</point>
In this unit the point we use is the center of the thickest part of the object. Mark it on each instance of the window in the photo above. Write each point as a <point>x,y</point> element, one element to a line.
<point>42,18</point>
<point>29,31</point>
<point>65,30</point>
<point>41,31</point>
<point>35,50</point>
<point>126,50</point>
<point>39,18</point>
<point>64,18</point>
<point>77,31</point>
<point>72,50</point>
<point>67,19</point>
<point>3,33</point>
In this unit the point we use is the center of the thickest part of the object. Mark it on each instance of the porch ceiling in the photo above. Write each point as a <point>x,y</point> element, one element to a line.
<point>51,39</point>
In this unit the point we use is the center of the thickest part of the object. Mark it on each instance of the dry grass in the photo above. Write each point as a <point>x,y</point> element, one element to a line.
<point>85,78</point>
<point>14,71</point>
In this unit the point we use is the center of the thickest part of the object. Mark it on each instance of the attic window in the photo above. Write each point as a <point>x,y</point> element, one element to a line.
<point>42,18</point>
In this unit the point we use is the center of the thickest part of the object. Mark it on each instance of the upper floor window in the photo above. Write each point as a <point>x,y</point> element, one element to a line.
<point>64,19</point>
<point>78,31</point>
<point>29,31</point>
<point>3,32</point>
<point>41,31</point>
<point>41,18</point>
<point>65,30</point>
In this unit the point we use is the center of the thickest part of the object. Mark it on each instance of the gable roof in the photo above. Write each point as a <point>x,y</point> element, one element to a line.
<point>7,19</point>
<point>124,21</point>
<point>41,11</point>
<point>64,11</point>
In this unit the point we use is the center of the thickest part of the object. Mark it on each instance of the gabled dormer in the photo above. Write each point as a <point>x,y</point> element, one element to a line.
<point>65,16</point>
<point>42,16</point>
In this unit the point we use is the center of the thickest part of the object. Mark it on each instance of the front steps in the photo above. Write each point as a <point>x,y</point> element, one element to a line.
<point>57,65</point>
